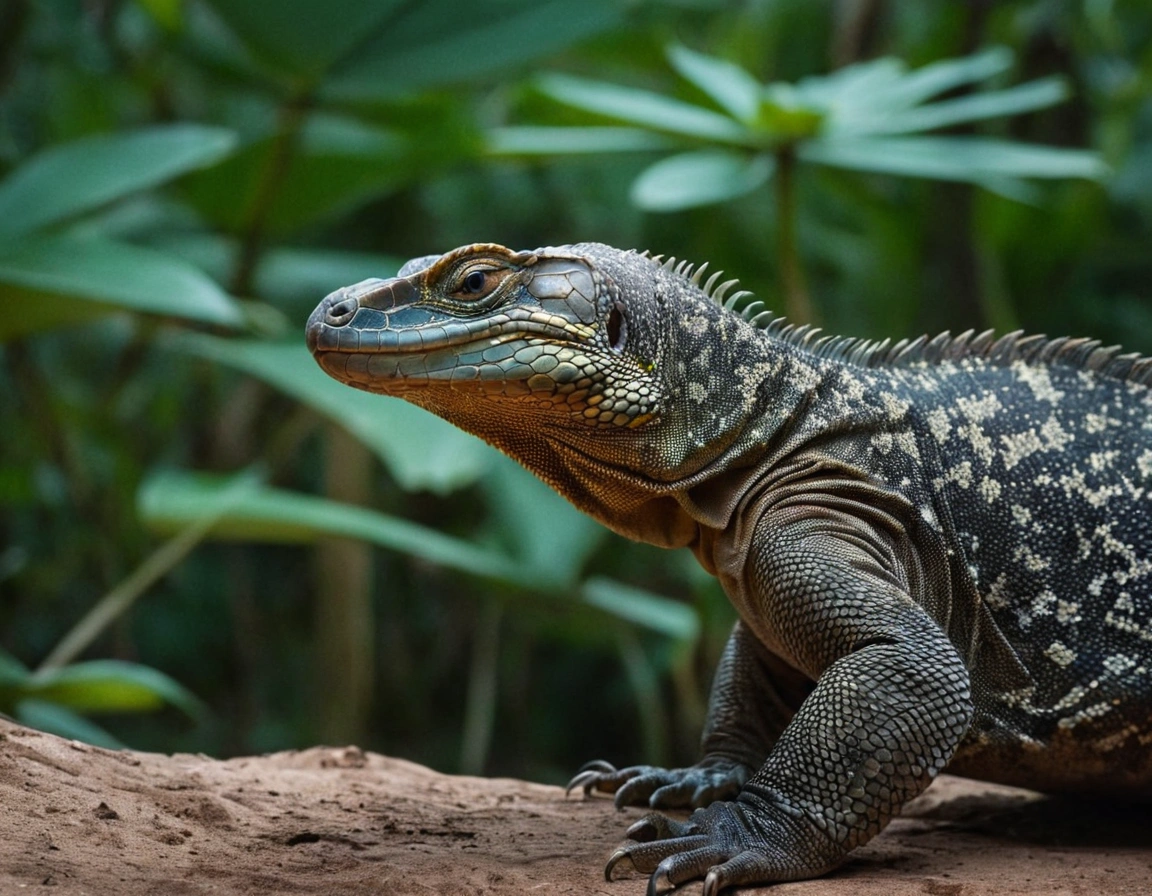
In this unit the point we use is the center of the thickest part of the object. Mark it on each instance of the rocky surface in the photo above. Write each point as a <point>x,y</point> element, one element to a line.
<point>78,819</point>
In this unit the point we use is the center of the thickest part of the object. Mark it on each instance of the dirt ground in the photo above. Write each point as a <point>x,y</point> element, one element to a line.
<point>82,820</point>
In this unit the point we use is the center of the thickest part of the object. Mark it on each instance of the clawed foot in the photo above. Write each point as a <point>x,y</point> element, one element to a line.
<point>725,844</point>
<point>660,788</point>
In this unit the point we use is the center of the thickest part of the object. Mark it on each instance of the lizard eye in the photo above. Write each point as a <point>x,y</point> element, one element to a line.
<point>474,283</point>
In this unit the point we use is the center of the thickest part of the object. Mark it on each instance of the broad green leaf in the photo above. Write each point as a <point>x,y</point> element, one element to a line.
<point>699,178</point>
<point>730,86</point>
<point>67,180</point>
<point>947,74</point>
<point>971,159</point>
<point>331,134</point>
<point>61,280</point>
<point>420,450</point>
<point>860,88</point>
<point>323,187</point>
<point>976,107</point>
<point>169,501</point>
<point>529,140</point>
<point>858,96</point>
<point>544,530</point>
<point>642,107</point>
<point>431,43</point>
<point>1015,189</point>
<point>285,273</point>
<point>110,686</point>
<point>661,614</point>
<point>45,716</point>
<point>288,273</point>
<point>304,37</point>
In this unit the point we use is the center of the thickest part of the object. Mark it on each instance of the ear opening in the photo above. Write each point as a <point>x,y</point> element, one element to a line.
<point>617,328</point>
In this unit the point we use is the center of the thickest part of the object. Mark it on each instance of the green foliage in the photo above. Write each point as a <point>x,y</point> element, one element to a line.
<point>103,686</point>
<point>82,236</point>
<point>702,177</point>
<point>867,117</point>
<point>180,183</point>
<point>419,51</point>
<point>55,699</point>
<point>847,119</point>
<point>61,278</point>
<point>421,451</point>
<point>65,181</point>
<point>170,501</point>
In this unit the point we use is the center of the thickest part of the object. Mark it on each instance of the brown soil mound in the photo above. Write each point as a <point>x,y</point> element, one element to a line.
<point>85,820</point>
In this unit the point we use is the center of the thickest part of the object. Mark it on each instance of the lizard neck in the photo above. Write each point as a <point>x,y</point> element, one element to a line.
<point>731,398</point>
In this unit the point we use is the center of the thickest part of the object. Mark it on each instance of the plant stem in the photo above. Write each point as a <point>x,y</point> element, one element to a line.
<point>155,566</point>
<point>856,23</point>
<point>480,708</point>
<point>645,685</point>
<point>345,617</point>
<point>14,17</point>
<point>292,116</point>
<point>797,306</point>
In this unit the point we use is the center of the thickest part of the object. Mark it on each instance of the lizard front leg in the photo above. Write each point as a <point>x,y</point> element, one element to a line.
<point>890,705</point>
<point>754,696</point>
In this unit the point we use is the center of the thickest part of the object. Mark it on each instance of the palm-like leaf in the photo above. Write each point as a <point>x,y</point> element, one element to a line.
<point>875,116</point>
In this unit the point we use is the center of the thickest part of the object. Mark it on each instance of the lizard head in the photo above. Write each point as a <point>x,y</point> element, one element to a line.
<point>600,370</point>
<point>548,328</point>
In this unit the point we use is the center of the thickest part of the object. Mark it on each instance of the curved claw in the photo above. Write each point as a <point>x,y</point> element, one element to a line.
<point>598,765</point>
<point>660,883</point>
<point>587,774</point>
<point>614,860</point>
<point>585,780</point>
<point>643,831</point>
<point>655,826</point>
<point>712,884</point>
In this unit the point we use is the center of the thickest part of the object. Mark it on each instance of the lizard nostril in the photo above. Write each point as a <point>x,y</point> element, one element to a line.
<point>342,311</point>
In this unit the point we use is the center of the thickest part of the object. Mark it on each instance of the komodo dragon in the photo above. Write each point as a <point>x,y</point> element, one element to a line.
<point>940,550</point>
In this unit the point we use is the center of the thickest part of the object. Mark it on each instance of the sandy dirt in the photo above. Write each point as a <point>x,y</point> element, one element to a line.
<point>78,819</point>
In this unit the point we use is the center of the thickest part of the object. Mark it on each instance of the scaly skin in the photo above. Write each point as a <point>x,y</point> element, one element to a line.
<point>941,553</point>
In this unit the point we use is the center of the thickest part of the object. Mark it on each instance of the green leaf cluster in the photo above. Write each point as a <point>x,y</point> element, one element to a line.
<point>56,274</point>
<point>148,233</point>
<point>873,116</point>
<point>57,700</point>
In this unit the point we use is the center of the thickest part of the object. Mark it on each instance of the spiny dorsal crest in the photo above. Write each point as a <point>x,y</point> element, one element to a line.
<point>713,288</point>
<point>1035,350</point>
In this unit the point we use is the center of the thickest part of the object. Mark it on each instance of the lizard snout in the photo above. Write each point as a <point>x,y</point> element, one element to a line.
<point>339,312</point>
<point>335,310</point>
<point>339,308</point>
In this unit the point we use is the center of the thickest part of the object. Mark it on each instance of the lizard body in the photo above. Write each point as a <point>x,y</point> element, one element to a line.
<point>940,551</point>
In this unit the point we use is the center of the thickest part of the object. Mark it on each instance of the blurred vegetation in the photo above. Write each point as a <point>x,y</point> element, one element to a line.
<point>189,507</point>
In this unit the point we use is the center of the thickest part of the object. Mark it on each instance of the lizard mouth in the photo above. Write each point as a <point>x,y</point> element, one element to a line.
<point>375,336</point>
